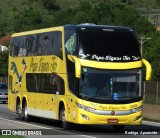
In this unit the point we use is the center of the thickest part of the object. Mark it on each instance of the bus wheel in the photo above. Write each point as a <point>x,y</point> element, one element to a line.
<point>25,112</point>
<point>19,111</point>
<point>65,124</point>
<point>119,128</point>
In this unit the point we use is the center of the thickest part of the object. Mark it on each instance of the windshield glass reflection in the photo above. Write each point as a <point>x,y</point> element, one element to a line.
<point>110,85</point>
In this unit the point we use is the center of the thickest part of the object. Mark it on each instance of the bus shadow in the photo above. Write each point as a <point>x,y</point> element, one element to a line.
<point>92,129</point>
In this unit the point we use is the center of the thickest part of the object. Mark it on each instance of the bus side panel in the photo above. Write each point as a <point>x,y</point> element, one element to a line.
<point>31,103</point>
<point>16,69</point>
<point>11,95</point>
<point>50,107</point>
<point>11,100</point>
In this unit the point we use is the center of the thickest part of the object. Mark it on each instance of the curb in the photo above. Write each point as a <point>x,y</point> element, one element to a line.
<point>151,123</point>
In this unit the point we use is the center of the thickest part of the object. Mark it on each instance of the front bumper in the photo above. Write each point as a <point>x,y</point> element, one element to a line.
<point>84,117</point>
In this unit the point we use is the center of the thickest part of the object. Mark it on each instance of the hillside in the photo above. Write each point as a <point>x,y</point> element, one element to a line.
<point>23,15</point>
<point>29,14</point>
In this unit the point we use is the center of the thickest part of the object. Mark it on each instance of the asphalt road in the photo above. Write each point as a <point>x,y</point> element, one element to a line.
<point>49,128</point>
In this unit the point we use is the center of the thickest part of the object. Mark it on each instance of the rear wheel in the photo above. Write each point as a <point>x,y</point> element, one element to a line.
<point>25,112</point>
<point>19,111</point>
<point>65,124</point>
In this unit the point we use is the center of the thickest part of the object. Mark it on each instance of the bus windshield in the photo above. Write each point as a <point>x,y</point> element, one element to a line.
<point>112,46</point>
<point>110,85</point>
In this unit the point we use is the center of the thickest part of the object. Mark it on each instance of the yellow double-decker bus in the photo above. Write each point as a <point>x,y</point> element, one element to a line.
<point>82,74</point>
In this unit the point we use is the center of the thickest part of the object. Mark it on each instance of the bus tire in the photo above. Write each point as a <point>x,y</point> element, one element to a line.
<point>119,128</point>
<point>64,123</point>
<point>19,111</point>
<point>25,112</point>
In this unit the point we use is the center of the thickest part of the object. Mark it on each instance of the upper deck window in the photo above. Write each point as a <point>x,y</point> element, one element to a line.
<point>48,43</point>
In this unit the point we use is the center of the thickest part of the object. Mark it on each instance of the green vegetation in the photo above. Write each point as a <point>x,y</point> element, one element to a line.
<point>3,63</point>
<point>12,136</point>
<point>34,14</point>
<point>26,15</point>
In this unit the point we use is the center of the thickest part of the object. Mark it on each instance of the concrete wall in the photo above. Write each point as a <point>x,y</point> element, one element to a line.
<point>151,111</point>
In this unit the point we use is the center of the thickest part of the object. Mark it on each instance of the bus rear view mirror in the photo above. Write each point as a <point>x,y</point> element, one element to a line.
<point>148,69</point>
<point>77,65</point>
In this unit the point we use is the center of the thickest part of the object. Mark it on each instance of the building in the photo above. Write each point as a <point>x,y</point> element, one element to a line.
<point>3,41</point>
<point>3,48</point>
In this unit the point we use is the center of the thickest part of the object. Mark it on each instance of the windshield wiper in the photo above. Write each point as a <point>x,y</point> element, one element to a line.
<point>98,97</point>
<point>126,97</point>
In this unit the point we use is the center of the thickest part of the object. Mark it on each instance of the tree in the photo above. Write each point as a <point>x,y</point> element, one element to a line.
<point>35,14</point>
<point>105,13</point>
<point>50,5</point>
<point>151,50</point>
<point>4,63</point>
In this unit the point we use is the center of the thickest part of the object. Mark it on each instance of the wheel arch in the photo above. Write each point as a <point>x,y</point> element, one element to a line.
<point>24,101</point>
<point>18,101</point>
<point>61,106</point>
<point>21,101</point>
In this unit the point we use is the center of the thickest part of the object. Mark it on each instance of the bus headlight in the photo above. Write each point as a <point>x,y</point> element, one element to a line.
<point>135,110</point>
<point>86,108</point>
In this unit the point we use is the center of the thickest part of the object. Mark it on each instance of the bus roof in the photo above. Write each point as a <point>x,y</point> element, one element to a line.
<point>38,31</point>
<point>78,26</point>
<point>94,26</point>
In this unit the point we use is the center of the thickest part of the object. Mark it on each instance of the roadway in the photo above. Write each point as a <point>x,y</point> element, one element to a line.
<point>50,128</point>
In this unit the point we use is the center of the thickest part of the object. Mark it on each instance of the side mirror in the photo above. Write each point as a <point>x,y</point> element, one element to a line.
<point>148,69</point>
<point>77,65</point>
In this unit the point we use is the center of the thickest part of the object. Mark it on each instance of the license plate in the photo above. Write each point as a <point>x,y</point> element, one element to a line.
<point>3,97</point>
<point>111,120</point>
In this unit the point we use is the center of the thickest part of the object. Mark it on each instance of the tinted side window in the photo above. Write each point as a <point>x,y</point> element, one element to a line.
<point>31,44</point>
<point>44,83</point>
<point>17,47</point>
<point>55,45</point>
<point>49,43</point>
<point>14,48</point>
<point>60,87</point>
<point>70,42</point>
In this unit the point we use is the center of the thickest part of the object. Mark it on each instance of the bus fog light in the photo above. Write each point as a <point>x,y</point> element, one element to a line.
<point>85,117</point>
<point>137,118</point>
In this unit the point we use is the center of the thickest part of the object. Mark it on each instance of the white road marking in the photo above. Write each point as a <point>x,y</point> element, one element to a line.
<point>25,123</point>
<point>46,128</point>
<point>88,136</point>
